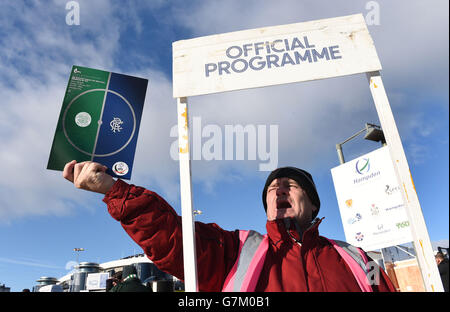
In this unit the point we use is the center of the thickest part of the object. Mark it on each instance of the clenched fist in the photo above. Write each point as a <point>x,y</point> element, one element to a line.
<point>88,175</point>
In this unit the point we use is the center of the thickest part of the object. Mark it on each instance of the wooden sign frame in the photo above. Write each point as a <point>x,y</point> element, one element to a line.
<point>286,54</point>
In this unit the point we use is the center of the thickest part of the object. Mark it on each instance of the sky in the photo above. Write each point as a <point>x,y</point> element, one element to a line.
<point>44,217</point>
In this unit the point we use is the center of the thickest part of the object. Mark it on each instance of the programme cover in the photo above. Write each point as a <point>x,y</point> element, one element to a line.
<point>99,120</point>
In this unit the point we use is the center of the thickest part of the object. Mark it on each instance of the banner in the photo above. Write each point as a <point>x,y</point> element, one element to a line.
<point>370,203</point>
<point>273,55</point>
<point>95,281</point>
<point>99,120</point>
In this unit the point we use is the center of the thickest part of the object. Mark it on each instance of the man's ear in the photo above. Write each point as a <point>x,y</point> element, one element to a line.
<point>314,208</point>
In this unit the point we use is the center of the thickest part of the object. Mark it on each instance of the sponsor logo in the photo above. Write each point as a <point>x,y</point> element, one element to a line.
<point>349,203</point>
<point>83,119</point>
<point>402,225</point>
<point>374,210</point>
<point>359,236</point>
<point>367,177</point>
<point>354,219</point>
<point>394,207</point>
<point>120,168</point>
<point>390,190</point>
<point>363,166</point>
<point>381,230</point>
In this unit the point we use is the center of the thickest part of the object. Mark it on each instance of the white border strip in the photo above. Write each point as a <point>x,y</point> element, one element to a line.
<point>101,117</point>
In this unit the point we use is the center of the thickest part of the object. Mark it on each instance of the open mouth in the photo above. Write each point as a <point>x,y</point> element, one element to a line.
<point>283,204</point>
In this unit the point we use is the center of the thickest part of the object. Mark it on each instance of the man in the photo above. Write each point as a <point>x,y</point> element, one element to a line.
<point>442,264</point>
<point>130,282</point>
<point>111,283</point>
<point>291,257</point>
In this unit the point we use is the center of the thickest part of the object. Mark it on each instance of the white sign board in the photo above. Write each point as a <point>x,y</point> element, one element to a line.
<point>370,202</point>
<point>51,288</point>
<point>96,281</point>
<point>273,55</point>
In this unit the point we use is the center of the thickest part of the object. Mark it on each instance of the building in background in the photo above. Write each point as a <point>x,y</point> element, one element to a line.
<point>403,269</point>
<point>3,288</point>
<point>399,262</point>
<point>91,277</point>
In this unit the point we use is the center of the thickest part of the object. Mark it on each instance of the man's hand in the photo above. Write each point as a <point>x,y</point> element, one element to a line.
<point>89,176</point>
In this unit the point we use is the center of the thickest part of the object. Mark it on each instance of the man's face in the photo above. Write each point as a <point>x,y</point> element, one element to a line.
<point>286,199</point>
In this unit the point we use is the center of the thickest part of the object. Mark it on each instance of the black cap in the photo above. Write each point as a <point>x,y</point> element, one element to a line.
<point>302,177</point>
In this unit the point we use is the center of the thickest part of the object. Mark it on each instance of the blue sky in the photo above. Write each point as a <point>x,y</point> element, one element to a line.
<point>43,217</point>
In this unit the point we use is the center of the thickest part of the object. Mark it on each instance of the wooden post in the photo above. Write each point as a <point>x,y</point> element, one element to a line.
<point>422,244</point>
<point>187,215</point>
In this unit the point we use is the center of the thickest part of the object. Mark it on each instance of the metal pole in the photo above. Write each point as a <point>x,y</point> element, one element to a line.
<point>405,251</point>
<point>422,244</point>
<point>339,145</point>
<point>382,258</point>
<point>187,215</point>
<point>340,154</point>
<point>77,250</point>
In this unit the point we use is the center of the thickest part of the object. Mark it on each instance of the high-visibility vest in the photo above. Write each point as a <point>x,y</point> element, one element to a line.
<point>253,248</point>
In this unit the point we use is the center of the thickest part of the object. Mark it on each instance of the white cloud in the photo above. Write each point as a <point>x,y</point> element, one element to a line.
<point>31,263</point>
<point>37,52</point>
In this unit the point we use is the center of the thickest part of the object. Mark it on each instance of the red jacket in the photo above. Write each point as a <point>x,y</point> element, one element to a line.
<point>153,224</point>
